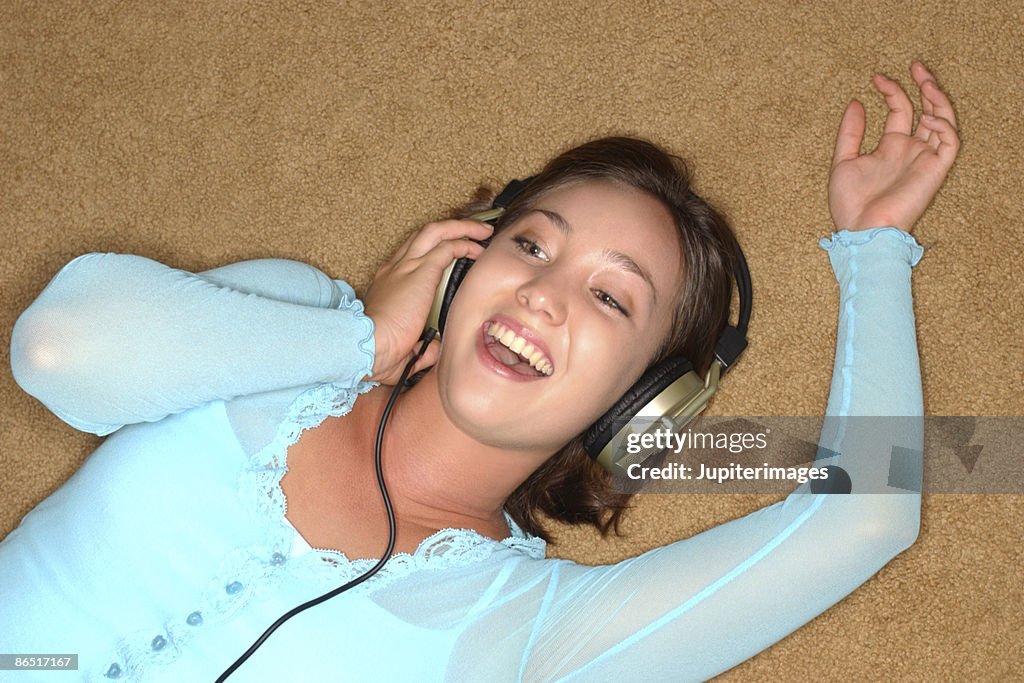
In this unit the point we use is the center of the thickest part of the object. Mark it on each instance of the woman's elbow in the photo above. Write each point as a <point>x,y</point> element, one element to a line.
<point>891,522</point>
<point>49,338</point>
<point>38,359</point>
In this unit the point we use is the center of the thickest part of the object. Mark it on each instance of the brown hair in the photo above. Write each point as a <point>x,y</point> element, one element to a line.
<point>569,486</point>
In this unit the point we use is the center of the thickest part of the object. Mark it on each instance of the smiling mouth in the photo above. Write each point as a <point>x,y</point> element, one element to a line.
<point>515,352</point>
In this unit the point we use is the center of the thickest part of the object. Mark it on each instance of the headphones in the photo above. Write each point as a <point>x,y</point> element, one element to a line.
<point>670,389</point>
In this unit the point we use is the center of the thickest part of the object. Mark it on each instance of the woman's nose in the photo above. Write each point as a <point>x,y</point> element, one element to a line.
<point>545,297</point>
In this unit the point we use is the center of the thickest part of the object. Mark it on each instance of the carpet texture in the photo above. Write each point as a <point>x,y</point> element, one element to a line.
<point>199,134</point>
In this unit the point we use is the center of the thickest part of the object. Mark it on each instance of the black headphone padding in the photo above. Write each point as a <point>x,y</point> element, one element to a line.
<point>459,270</point>
<point>651,383</point>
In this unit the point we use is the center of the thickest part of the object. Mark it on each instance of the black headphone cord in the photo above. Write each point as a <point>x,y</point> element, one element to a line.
<point>427,337</point>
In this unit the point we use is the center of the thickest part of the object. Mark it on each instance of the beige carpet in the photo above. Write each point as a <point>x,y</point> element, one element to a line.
<point>209,132</point>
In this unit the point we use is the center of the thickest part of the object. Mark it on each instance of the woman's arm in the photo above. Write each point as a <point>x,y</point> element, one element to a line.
<point>117,339</point>
<point>283,280</point>
<point>693,609</point>
<point>690,610</point>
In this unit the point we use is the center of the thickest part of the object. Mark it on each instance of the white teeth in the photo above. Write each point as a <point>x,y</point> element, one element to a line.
<point>534,356</point>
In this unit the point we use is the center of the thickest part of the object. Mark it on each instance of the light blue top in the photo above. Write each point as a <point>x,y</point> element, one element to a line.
<point>167,554</point>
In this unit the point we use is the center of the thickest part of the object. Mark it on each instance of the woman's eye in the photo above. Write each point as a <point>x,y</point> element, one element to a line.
<point>530,248</point>
<point>608,300</point>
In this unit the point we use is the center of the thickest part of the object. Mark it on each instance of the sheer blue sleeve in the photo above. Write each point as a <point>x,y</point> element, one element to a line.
<point>695,608</point>
<point>117,339</point>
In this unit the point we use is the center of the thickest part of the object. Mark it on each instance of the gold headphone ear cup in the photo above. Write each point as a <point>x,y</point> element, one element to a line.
<point>656,380</point>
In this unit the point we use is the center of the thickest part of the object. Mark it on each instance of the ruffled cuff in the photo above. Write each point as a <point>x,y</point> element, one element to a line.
<point>364,325</point>
<point>886,240</point>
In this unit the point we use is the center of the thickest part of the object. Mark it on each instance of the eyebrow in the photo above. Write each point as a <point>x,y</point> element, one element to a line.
<point>616,258</point>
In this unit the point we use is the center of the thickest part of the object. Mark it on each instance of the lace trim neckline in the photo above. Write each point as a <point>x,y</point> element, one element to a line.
<point>446,547</point>
<point>515,534</point>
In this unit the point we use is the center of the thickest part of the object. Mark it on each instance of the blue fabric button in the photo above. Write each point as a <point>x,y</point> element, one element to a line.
<point>277,559</point>
<point>194,619</point>
<point>233,587</point>
<point>158,643</point>
<point>114,671</point>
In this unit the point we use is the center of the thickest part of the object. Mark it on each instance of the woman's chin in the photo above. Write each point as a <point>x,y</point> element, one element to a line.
<point>493,424</point>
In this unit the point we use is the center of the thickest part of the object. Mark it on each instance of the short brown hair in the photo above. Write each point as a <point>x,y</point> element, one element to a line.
<point>569,486</point>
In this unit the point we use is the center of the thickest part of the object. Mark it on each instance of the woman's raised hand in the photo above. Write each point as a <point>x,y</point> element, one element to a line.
<point>399,298</point>
<point>893,185</point>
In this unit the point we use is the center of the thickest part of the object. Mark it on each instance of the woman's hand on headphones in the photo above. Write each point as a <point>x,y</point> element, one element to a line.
<point>399,298</point>
<point>893,185</point>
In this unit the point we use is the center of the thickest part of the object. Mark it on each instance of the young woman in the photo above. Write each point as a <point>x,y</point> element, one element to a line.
<point>242,403</point>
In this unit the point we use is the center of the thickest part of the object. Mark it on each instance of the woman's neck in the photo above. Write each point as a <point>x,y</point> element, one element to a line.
<point>438,475</point>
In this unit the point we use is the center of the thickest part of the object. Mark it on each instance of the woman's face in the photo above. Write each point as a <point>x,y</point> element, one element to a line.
<point>585,285</point>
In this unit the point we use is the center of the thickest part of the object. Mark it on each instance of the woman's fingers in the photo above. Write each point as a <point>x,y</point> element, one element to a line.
<point>934,102</point>
<point>924,133</point>
<point>433,234</point>
<point>417,272</point>
<point>449,250</point>
<point>932,96</point>
<point>949,142</point>
<point>851,134</point>
<point>426,238</point>
<point>901,111</point>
